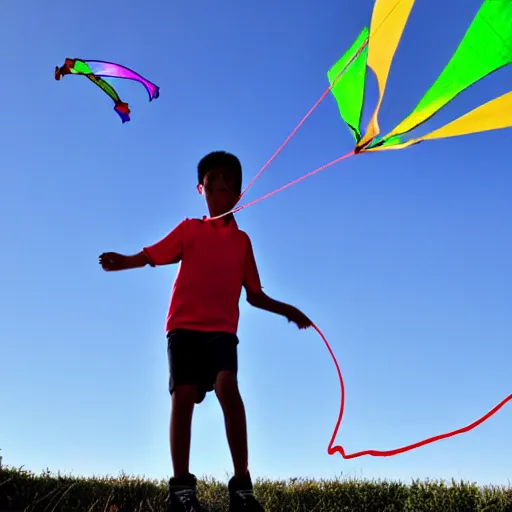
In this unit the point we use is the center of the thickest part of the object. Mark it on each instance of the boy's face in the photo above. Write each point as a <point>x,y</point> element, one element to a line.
<point>219,190</point>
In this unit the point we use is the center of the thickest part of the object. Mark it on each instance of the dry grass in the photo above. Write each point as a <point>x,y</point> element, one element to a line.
<point>21,490</point>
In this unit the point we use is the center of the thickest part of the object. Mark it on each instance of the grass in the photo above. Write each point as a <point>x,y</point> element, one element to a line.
<point>22,490</point>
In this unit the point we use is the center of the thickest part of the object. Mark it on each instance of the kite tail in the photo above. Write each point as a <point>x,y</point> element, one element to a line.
<point>123,111</point>
<point>332,449</point>
<point>60,72</point>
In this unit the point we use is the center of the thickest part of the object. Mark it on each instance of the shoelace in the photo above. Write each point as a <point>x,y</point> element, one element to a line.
<point>246,494</point>
<point>249,500</point>
<point>188,499</point>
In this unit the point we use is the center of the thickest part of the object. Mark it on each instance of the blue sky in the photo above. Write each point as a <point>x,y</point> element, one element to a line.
<point>402,258</point>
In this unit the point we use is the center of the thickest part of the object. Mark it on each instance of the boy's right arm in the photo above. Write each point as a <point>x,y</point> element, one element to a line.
<point>112,261</point>
<point>164,252</point>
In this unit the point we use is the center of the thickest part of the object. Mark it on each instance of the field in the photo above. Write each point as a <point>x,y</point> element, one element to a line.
<point>21,490</point>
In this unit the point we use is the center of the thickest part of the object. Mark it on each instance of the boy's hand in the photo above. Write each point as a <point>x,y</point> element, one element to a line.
<point>111,261</point>
<point>263,301</point>
<point>298,317</point>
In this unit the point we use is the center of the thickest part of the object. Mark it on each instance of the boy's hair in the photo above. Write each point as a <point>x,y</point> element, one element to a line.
<point>223,160</point>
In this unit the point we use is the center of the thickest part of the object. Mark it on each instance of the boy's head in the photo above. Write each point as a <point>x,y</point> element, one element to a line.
<point>219,176</point>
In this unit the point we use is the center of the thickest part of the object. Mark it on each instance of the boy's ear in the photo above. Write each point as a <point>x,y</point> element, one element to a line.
<point>200,188</point>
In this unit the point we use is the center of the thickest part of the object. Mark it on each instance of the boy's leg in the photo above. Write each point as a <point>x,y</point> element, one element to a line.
<point>224,361</point>
<point>183,400</point>
<point>186,353</point>
<point>226,388</point>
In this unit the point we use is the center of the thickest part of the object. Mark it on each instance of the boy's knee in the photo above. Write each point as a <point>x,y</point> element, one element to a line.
<point>226,388</point>
<point>184,396</point>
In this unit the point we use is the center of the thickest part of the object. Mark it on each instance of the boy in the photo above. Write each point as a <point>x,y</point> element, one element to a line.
<point>216,261</point>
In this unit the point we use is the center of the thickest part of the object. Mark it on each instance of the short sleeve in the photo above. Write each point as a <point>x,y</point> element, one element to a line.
<point>252,281</point>
<point>169,249</point>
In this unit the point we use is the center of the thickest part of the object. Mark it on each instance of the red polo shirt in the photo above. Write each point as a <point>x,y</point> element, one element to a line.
<point>216,260</point>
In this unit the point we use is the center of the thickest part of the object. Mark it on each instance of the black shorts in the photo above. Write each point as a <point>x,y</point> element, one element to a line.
<point>196,357</point>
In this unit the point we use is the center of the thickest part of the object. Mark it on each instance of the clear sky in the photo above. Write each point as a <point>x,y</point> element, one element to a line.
<point>402,258</point>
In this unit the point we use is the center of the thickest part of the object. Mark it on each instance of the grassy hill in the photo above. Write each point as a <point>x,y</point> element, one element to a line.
<point>22,490</point>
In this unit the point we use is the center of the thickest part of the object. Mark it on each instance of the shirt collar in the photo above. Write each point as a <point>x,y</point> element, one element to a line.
<point>232,224</point>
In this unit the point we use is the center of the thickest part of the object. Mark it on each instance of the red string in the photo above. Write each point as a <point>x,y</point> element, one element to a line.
<point>284,187</point>
<point>331,449</point>
<point>288,139</point>
<point>303,120</point>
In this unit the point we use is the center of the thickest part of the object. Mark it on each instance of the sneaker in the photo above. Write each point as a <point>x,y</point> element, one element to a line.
<point>182,496</point>
<point>241,496</point>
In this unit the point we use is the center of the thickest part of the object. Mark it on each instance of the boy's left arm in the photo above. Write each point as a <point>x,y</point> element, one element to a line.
<point>257,298</point>
<point>261,300</point>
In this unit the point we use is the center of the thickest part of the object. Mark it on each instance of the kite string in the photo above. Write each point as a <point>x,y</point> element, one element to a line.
<point>304,119</point>
<point>236,209</point>
<point>356,55</point>
<point>294,182</point>
<point>332,449</point>
<point>289,138</point>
